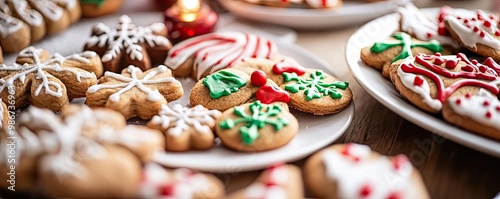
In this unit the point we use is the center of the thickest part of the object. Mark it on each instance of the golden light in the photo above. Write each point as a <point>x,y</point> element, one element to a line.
<point>188,6</point>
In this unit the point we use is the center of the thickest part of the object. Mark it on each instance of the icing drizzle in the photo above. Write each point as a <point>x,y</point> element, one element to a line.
<point>127,83</point>
<point>42,70</point>
<point>406,42</point>
<point>179,119</point>
<point>213,52</point>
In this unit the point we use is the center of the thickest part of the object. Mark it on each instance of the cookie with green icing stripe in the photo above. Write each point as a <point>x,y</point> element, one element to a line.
<point>256,126</point>
<point>401,45</point>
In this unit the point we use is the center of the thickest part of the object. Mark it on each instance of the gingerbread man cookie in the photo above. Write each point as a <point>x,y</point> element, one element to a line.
<point>135,93</point>
<point>277,182</point>
<point>46,81</point>
<point>186,128</point>
<point>141,46</point>
<point>255,127</point>
<point>355,171</point>
<point>381,54</point>
<point>158,182</point>
<point>478,33</point>
<point>203,55</point>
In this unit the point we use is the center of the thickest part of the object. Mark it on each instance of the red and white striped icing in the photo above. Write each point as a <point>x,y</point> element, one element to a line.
<point>216,51</point>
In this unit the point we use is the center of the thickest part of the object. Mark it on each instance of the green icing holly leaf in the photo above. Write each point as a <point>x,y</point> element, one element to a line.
<point>95,2</point>
<point>223,83</point>
<point>314,87</point>
<point>257,120</point>
<point>405,40</point>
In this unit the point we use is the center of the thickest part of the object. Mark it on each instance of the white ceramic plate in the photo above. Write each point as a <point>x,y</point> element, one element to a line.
<point>315,131</point>
<point>350,13</point>
<point>385,92</point>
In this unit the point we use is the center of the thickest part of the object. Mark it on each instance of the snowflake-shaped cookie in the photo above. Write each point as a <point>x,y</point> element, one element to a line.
<point>46,81</point>
<point>129,45</point>
<point>186,128</point>
<point>135,93</point>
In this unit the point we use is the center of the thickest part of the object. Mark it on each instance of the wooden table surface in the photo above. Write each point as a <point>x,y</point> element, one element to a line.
<point>449,170</point>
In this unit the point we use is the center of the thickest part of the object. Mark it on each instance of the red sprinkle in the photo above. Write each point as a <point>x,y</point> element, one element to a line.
<point>497,33</point>
<point>394,195</point>
<point>399,161</point>
<point>486,103</point>
<point>467,95</point>
<point>258,78</point>
<point>167,190</point>
<point>475,29</point>
<point>482,34</point>
<point>487,24</point>
<point>429,35</point>
<point>438,61</point>
<point>418,81</point>
<point>466,21</point>
<point>498,108</point>
<point>458,101</point>
<point>451,64</point>
<point>488,115</point>
<point>483,69</point>
<point>365,191</point>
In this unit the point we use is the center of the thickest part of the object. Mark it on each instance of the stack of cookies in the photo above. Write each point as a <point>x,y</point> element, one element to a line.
<point>428,65</point>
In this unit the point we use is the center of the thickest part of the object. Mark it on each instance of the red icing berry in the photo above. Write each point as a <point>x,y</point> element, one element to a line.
<point>418,81</point>
<point>365,191</point>
<point>467,95</point>
<point>258,78</point>
<point>438,61</point>
<point>488,115</point>
<point>399,161</point>
<point>451,64</point>
<point>166,190</point>
<point>483,69</point>
<point>429,35</point>
<point>475,29</point>
<point>486,103</point>
<point>487,24</point>
<point>394,195</point>
<point>482,34</point>
<point>268,94</point>
<point>458,101</point>
<point>498,108</point>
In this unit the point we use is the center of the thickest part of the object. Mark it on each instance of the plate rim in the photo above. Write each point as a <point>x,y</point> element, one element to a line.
<point>409,111</point>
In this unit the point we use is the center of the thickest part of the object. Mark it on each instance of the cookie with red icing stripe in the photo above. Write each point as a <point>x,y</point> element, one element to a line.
<point>277,182</point>
<point>355,171</point>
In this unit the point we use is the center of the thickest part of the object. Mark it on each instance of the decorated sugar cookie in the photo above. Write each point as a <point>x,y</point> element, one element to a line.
<point>46,81</point>
<point>72,156</point>
<point>158,182</point>
<point>381,54</point>
<point>278,182</point>
<point>203,55</point>
<point>355,171</point>
<point>428,81</point>
<point>256,127</point>
<point>186,128</point>
<point>135,93</point>
<point>478,33</point>
<point>127,44</point>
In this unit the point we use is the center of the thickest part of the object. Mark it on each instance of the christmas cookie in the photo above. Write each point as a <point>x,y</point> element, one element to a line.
<point>135,93</point>
<point>354,171</point>
<point>272,68</point>
<point>255,127</point>
<point>127,44</point>
<point>4,115</point>
<point>97,8</point>
<point>428,81</point>
<point>381,54</point>
<point>34,19</point>
<point>278,182</point>
<point>186,128</point>
<point>49,82</point>
<point>71,164</point>
<point>158,182</point>
<point>478,33</point>
<point>203,55</point>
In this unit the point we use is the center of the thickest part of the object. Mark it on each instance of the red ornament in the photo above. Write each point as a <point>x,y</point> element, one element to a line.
<point>268,94</point>
<point>258,78</point>
<point>399,161</point>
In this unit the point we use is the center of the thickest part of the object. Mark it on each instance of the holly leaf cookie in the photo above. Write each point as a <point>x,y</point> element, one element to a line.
<point>428,81</point>
<point>278,182</point>
<point>135,93</point>
<point>355,171</point>
<point>256,127</point>
<point>186,128</point>
<point>381,54</point>
<point>478,33</point>
<point>127,44</point>
<point>159,182</point>
<point>203,55</point>
<point>46,81</point>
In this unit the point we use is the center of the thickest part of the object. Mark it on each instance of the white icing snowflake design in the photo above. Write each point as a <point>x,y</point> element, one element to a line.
<point>44,69</point>
<point>127,37</point>
<point>182,118</point>
<point>133,81</point>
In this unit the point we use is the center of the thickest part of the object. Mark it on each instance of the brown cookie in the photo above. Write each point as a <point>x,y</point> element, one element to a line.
<point>46,81</point>
<point>381,54</point>
<point>127,44</point>
<point>15,35</point>
<point>159,182</point>
<point>278,182</point>
<point>135,93</point>
<point>428,81</point>
<point>478,33</point>
<point>32,19</point>
<point>186,128</point>
<point>256,127</point>
<point>97,8</point>
<point>354,171</point>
